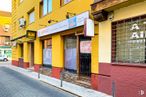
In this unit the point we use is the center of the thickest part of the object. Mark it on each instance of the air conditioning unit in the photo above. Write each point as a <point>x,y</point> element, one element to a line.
<point>22,22</point>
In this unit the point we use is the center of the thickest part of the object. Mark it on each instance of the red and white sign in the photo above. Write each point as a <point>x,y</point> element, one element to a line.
<point>89,28</point>
<point>85,47</point>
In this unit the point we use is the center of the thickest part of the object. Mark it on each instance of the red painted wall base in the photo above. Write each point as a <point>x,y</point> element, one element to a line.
<point>104,84</point>
<point>15,63</point>
<point>26,65</point>
<point>94,81</point>
<point>104,78</point>
<point>130,81</point>
<point>37,67</point>
<point>56,72</point>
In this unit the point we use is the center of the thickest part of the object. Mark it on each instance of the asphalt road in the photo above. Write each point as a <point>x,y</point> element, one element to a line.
<point>14,84</point>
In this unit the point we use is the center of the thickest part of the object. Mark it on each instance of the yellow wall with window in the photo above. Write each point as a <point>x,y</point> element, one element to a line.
<point>105,34</point>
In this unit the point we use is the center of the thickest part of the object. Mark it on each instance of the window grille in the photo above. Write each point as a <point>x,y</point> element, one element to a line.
<point>129,40</point>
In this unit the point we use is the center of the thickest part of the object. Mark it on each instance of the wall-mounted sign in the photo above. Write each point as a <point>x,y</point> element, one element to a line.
<point>64,25</point>
<point>72,22</point>
<point>31,34</point>
<point>138,34</point>
<point>85,47</point>
<point>89,28</point>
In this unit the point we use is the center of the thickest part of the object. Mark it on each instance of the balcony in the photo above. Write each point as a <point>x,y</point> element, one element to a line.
<point>102,7</point>
<point>105,4</point>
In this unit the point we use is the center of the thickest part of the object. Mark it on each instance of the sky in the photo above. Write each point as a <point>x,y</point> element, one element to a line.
<point>5,5</point>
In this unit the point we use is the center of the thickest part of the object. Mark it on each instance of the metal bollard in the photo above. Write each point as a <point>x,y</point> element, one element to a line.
<point>113,89</point>
<point>61,78</point>
<point>40,70</point>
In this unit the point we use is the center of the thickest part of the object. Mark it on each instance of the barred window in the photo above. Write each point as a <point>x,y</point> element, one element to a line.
<point>129,40</point>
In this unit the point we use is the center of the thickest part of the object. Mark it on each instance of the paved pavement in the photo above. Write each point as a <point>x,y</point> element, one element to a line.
<point>72,88</point>
<point>14,84</point>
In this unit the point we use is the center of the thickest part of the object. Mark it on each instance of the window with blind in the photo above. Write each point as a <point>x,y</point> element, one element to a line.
<point>129,40</point>
<point>47,52</point>
<point>63,2</point>
<point>46,7</point>
<point>31,16</point>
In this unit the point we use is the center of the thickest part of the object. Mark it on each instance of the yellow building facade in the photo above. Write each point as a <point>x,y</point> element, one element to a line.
<point>51,33</point>
<point>5,34</point>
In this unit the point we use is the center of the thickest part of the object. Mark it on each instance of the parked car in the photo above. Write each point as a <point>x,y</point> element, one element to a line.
<point>3,58</point>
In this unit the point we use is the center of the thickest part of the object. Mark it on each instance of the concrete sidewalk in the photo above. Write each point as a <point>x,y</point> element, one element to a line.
<point>75,89</point>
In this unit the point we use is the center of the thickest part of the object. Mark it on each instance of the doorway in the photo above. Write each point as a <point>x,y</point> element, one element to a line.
<point>31,54</point>
<point>21,56</point>
<point>85,56</point>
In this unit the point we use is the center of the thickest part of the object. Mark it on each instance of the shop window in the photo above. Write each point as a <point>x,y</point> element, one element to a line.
<point>47,52</point>
<point>45,7</point>
<point>7,39</point>
<point>31,16</point>
<point>129,40</point>
<point>2,40</point>
<point>63,2</point>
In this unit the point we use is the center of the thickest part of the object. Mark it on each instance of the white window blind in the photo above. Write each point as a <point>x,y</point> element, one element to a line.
<point>31,17</point>
<point>67,1</point>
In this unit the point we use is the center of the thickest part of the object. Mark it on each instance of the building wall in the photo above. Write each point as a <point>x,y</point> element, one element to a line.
<point>126,79</point>
<point>58,13</point>
<point>105,34</point>
<point>15,56</point>
<point>5,19</point>
<point>95,59</point>
<point>20,10</point>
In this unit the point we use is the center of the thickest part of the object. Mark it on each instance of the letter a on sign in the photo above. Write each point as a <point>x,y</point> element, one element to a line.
<point>134,35</point>
<point>135,27</point>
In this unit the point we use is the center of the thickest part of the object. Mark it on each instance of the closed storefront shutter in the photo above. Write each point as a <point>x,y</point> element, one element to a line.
<point>70,53</point>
